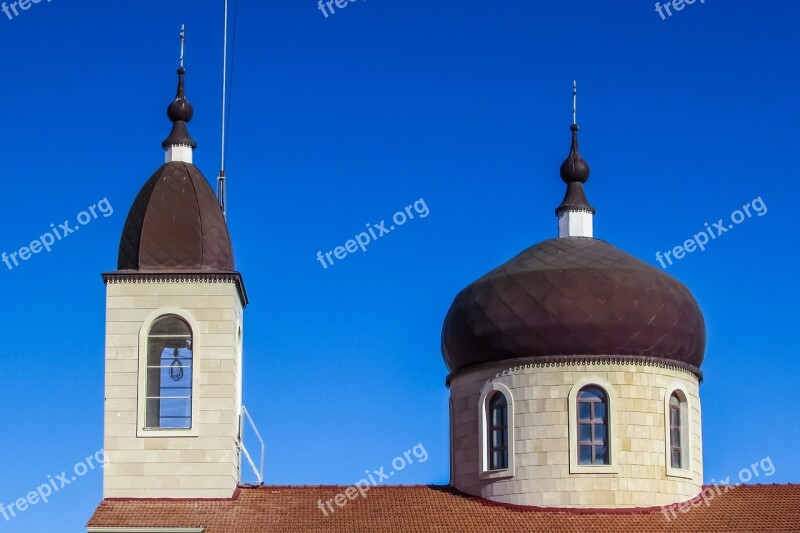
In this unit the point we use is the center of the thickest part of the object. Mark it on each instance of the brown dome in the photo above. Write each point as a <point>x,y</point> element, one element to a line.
<point>176,224</point>
<point>574,297</point>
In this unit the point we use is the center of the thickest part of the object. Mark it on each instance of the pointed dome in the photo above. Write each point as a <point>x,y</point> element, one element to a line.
<point>176,223</point>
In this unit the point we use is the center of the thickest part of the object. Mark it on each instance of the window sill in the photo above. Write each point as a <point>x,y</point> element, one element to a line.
<point>679,472</point>
<point>148,433</point>
<point>593,469</point>
<point>505,473</point>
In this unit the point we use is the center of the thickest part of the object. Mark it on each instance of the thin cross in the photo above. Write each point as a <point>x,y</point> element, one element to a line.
<point>574,102</point>
<point>183,41</point>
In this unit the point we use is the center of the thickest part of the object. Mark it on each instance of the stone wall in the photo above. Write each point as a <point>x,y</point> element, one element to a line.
<point>202,462</point>
<point>542,473</point>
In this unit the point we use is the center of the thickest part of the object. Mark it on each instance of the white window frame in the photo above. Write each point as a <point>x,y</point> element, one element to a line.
<point>488,389</point>
<point>612,428</point>
<point>686,433</point>
<point>144,333</point>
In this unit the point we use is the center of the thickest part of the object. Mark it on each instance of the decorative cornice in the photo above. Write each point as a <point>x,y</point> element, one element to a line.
<point>514,365</point>
<point>201,276</point>
<point>575,209</point>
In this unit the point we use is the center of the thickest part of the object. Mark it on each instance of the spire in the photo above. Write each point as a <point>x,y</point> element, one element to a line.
<point>179,145</point>
<point>575,214</point>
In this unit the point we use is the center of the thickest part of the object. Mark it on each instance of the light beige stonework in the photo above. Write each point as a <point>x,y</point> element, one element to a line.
<point>542,474</point>
<point>199,463</point>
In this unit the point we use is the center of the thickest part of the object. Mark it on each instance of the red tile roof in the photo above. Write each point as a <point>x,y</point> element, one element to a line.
<point>748,508</point>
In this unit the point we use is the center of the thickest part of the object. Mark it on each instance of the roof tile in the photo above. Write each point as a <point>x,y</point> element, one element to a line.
<point>748,508</point>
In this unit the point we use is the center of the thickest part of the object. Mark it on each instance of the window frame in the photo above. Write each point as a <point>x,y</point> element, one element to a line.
<point>594,422</point>
<point>494,427</point>
<point>186,391</point>
<point>142,431</point>
<point>675,449</point>
<point>487,393</point>
<point>679,391</point>
<point>612,435</point>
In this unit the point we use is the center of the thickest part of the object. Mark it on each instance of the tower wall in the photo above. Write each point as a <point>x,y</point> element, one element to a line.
<point>542,473</point>
<point>199,463</point>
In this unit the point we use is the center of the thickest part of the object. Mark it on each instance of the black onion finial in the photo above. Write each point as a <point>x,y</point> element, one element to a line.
<point>180,108</point>
<point>180,111</point>
<point>574,168</point>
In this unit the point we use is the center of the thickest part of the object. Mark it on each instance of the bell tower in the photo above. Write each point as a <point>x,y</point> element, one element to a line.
<point>173,350</point>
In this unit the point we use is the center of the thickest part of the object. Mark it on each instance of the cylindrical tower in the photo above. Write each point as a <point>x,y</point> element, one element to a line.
<point>575,372</point>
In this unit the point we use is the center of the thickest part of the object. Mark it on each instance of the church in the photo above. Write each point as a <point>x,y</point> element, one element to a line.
<point>574,378</point>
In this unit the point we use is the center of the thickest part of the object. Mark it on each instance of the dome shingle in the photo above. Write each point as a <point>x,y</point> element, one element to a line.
<point>574,297</point>
<point>176,224</point>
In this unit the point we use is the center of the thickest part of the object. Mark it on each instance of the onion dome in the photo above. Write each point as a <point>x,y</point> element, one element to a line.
<point>175,223</point>
<point>574,298</point>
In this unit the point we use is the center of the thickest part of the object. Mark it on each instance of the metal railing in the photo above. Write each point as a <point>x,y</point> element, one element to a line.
<point>259,472</point>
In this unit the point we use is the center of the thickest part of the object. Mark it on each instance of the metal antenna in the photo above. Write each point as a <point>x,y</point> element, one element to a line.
<point>574,102</point>
<point>183,41</point>
<point>221,179</point>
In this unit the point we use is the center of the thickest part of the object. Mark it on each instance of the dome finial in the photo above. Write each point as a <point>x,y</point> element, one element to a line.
<point>574,100</point>
<point>574,167</point>
<point>179,144</point>
<point>183,41</point>
<point>575,213</point>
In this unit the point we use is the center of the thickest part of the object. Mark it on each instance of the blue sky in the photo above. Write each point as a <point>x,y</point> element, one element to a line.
<point>339,122</point>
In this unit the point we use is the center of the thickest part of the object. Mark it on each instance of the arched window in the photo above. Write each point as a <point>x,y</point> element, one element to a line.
<point>168,386</point>
<point>675,432</point>
<point>498,432</point>
<point>678,432</point>
<point>593,438</point>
